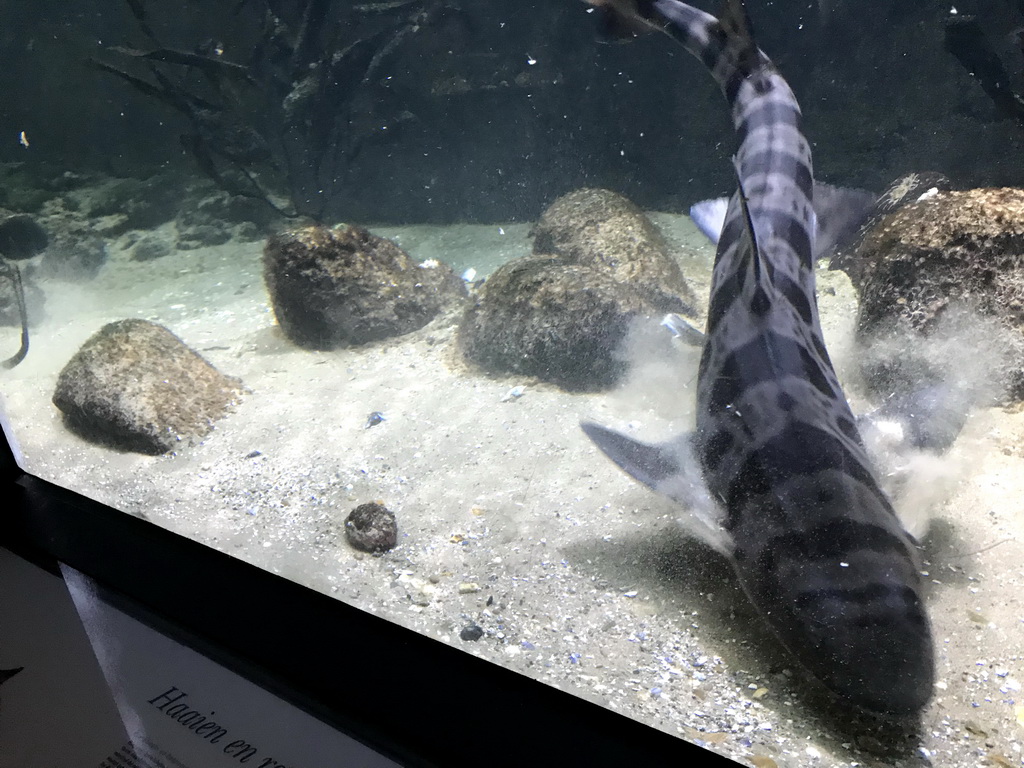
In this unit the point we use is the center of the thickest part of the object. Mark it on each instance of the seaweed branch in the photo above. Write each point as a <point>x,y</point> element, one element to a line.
<point>11,272</point>
<point>278,119</point>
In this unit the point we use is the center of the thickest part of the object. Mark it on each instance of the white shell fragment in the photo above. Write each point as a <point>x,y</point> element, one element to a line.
<point>513,394</point>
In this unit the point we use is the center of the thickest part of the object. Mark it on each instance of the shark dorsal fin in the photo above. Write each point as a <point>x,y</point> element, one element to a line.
<point>760,298</point>
<point>761,275</point>
<point>736,21</point>
<point>748,223</point>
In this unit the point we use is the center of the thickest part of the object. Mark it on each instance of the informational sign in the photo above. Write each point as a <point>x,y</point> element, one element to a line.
<point>100,689</point>
<point>56,710</point>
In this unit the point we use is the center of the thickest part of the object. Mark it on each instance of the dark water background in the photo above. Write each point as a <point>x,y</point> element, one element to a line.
<point>480,134</point>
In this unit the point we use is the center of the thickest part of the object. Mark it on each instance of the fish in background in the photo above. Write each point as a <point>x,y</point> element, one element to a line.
<point>776,470</point>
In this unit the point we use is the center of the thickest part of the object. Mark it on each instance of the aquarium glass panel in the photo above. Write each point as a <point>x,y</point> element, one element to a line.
<point>508,323</point>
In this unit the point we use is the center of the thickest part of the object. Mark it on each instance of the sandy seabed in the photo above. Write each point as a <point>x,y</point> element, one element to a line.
<point>511,520</point>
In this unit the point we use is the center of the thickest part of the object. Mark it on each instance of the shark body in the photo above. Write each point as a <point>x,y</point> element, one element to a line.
<point>797,505</point>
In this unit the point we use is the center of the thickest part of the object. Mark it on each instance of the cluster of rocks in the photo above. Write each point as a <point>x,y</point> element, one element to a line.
<point>84,213</point>
<point>112,206</point>
<point>126,209</point>
<point>930,260</point>
<point>135,386</point>
<point>561,313</point>
<point>63,224</point>
<point>927,254</point>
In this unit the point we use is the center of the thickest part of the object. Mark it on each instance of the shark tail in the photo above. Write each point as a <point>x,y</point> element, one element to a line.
<point>624,20</point>
<point>735,22</point>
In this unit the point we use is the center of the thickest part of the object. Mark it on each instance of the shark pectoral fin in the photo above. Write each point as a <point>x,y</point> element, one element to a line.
<point>709,216</point>
<point>650,464</point>
<point>673,471</point>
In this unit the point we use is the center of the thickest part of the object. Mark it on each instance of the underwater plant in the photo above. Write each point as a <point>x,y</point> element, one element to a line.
<point>279,107</point>
<point>9,271</point>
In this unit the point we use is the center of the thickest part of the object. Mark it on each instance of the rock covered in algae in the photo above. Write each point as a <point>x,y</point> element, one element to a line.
<point>344,286</point>
<point>950,247</point>
<point>903,191</point>
<point>946,253</point>
<point>558,322</point>
<point>136,386</point>
<point>561,313</point>
<point>602,229</point>
<point>371,527</point>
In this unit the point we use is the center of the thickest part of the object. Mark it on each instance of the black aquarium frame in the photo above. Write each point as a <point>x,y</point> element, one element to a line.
<point>412,698</point>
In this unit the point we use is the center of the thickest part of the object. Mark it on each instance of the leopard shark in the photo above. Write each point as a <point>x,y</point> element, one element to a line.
<point>776,468</point>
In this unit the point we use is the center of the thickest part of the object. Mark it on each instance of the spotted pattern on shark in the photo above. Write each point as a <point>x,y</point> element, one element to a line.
<point>814,540</point>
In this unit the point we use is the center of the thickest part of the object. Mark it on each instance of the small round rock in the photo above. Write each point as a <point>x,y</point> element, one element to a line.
<point>371,528</point>
<point>471,633</point>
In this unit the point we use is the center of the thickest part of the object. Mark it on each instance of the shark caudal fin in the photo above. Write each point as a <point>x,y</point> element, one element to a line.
<point>624,20</point>
<point>736,23</point>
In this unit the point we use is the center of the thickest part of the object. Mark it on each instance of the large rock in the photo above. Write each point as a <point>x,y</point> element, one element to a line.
<point>601,229</point>
<point>951,247</point>
<point>952,252</point>
<point>344,286</point>
<point>559,322</point>
<point>562,313</point>
<point>902,192</point>
<point>136,386</point>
